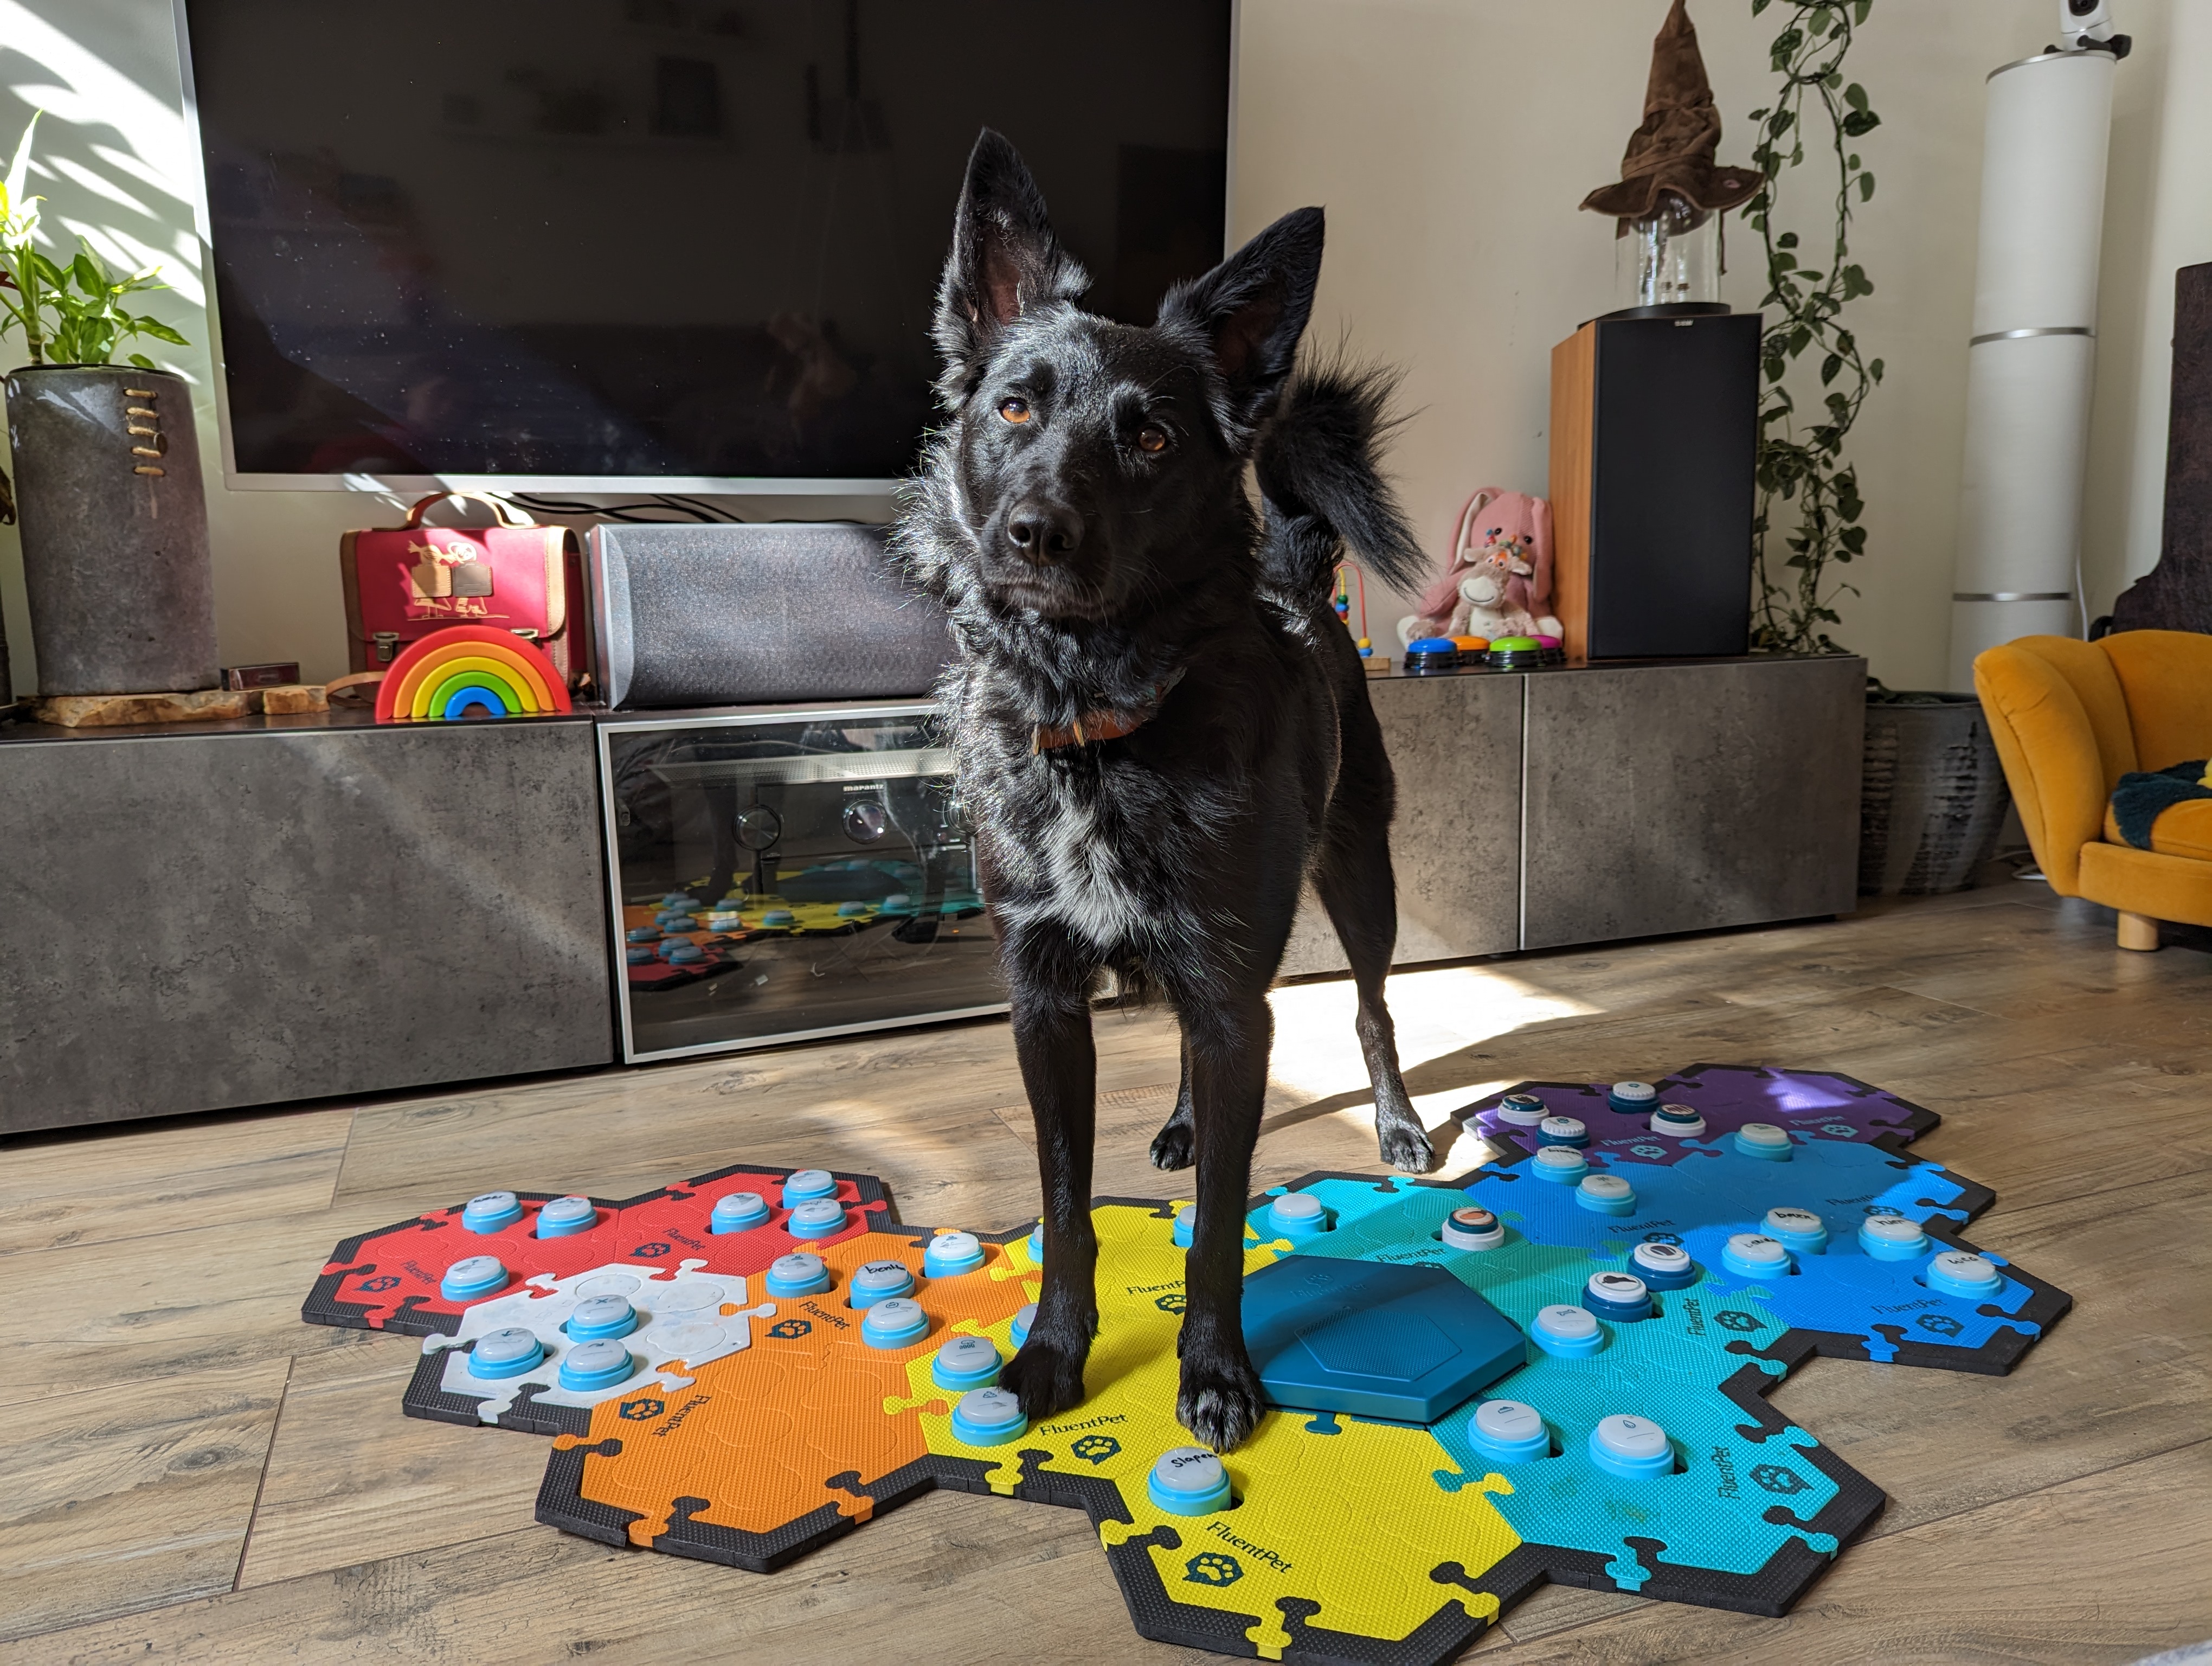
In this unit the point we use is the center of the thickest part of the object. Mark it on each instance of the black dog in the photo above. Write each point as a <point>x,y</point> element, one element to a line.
<point>1163,729</point>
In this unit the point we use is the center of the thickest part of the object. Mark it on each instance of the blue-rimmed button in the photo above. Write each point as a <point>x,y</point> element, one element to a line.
<point>775,917</point>
<point>965,1362</point>
<point>897,1321</point>
<point>1569,1332</point>
<point>639,954</point>
<point>1187,1480</point>
<point>878,1281</point>
<point>1186,1222</point>
<point>1800,1232</point>
<point>642,934</point>
<point>590,1366</point>
<point>1683,1121</point>
<point>686,954</point>
<point>1297,1215</point>
<point>565,1217</point>
<point>796,1275</point>
<point>1964,1274</point>
<point>1634,1097</point>
<point>1471,1228</point>
<point>1023,1318</point>
<point>738,1212</point>
<point>949,1255</point>
<point>1619,1297</point>
<point>1563,1164</point>
<point>1522,1111</point>
<point>601,1317</point>
<point>507,1351</point>
<point>804,1183</point>
<point>1630,1448</point>
<point>1508,1432</point>
<point>487,1212</point>
<point>851,910</point>
<point>473,1276</point>
<point>988,1417</point>
<point>1755,1255</point>
<point>1765,1141</point>
<point>1893,1237</point>
<point>679,899</point>
<point>1663,1266</point>
<point>1035,1242</point>
<point>1562,1131</point>
<point>816,1217</point>
<point>1606,1194</point>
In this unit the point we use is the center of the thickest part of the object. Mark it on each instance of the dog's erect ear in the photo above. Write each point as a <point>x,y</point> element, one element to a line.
<point>1253,308</point>
<point>1005,261</point>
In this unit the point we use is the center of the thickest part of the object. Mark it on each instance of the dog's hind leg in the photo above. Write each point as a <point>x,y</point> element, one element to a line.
<point>1227,1039</point>
<point>1173,1144</point>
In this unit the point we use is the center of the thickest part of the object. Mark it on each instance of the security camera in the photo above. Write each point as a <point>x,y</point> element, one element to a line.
<point>2086,26</point>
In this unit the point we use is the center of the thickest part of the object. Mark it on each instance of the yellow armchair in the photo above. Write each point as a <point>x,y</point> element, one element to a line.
<point>2069,719</point>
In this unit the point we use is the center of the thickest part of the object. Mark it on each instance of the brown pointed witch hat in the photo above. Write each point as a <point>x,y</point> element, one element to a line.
<point>1673,150</point>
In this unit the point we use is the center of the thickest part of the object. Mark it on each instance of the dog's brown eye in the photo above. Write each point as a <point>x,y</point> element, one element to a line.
<point>1152,440</point>
<point>1014,411</point>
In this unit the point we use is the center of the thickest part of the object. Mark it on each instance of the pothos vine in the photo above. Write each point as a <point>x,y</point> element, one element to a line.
<point>1801,461</point>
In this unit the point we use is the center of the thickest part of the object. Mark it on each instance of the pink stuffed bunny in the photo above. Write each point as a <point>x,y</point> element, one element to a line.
<point>1499,580</point>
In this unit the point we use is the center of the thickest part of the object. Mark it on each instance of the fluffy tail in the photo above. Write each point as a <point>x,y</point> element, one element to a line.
<point>1322,487</point>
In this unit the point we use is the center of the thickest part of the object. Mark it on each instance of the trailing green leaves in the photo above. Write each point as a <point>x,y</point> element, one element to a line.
<point>1807,520</point>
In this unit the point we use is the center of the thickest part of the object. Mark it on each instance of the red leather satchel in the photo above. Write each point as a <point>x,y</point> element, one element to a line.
<point>405,581</point>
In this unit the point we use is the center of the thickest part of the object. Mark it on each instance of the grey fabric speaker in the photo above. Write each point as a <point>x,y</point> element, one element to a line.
<point>744,615</point>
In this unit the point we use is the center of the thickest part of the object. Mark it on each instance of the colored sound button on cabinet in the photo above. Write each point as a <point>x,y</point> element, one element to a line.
<point>799,1274</point>
<point>738,1212</point>
<point>965,1362</point>
<point>565,1217</point>
<point>1508,1432</point>
<point>509,1351</point>
<point>471,1277</point>
<point>1893,1237</point>
<point>487,1212</point>
<point>988,1417</point>
<point>1630,1448</point>
<point>1189,1480</point>
<point>950,1254</point>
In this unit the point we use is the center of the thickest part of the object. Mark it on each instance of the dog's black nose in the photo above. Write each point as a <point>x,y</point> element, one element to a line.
<point>1044,533</point>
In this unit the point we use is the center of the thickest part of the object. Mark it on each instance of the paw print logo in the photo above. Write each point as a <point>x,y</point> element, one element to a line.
<point>1647,1150</point>
<point>1214,1567</point>
<point>1096,1449</point>
<point>638,1410</point>
<point>1841,1130</point>
<point>1662,1238</point>
<point>1171,1304</point>
<point>387,1282</point>
<point>653,1251</point>
<point>1941,1324</point>
<point>1730,1318</point>
<point>1779,1478</point>
<point>790,1329</point>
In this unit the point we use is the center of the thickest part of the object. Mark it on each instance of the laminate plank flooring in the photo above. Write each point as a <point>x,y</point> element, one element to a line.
<point>194,1475</point>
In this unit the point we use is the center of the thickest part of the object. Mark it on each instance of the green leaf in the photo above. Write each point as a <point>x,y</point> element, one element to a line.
<point>1855,95</point>
<point>1861,8</point>
<point>1866,187</point>
<point>19,168</point>
<point>1859,123</point>
<point>160,331</point>
<point>1875,370</point>
<point>1829,369</point>
<point>141,361</point>
<point>1787,240</point>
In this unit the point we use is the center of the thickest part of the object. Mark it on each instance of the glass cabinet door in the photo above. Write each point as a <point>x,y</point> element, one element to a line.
<point>790,875</point>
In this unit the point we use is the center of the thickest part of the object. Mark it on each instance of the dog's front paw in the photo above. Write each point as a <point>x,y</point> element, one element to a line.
<point>1173,1147</point>
<point>1406,1148</point>
<point>1220,1403</point>
<point>1047,1379</point>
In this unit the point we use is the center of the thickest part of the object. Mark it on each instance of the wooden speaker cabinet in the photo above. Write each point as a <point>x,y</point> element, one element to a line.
<point>1654,431</point>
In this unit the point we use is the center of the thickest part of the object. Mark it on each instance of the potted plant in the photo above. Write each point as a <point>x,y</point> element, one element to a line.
<point>1933,796</point>
<point>107,492</point>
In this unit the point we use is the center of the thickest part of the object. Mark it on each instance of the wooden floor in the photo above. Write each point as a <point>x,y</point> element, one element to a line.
<point>188,1473</point>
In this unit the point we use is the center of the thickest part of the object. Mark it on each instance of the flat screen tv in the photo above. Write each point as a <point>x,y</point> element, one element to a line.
<point>689,244</point>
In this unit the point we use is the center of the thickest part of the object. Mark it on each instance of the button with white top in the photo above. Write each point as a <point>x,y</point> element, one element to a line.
<point>1763,1140</point>
<point>1508,1432</point>
<point>816,1217</point>
<point>1522,1111</point>
<point>950,1254</point>
<point>1663,1266</point>
<point>1630,1448</point>
<point>804,1183</point>
<point>1473,1229</point>
<point>796,1275</point>
<point>1633,1097</point>
<point>602,1316</point>
<point>590,1366</point>
<point>1297,1215</point>
<point>1619,1296</point>
<point>487,1212</point>
<point>1964,1274</point>
<point>1035,1242</point>
<point>877,1281</point>
<point>1683,1121</point>
<point>897,1321</point>
<point>1800,1232</point>
<point>988,1417</point>
<point>738,1212</point>
<point>565,1217</point>
<point>1564,1163</point>
<point>1606,1194</point>
<point>1893,1237</point>
<point>1189,1480</point>
<point>1023,1318</point>
<point>1186,1222</point>
<point>1562,1131</point>
<point>1566,1331</point>
<point>965,1362</point>
<point>1755,1255</point>
<point>471,1277</point>
<point>507,1351</point>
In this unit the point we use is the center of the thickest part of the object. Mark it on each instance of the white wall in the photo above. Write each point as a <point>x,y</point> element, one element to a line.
<point>1450,140</point>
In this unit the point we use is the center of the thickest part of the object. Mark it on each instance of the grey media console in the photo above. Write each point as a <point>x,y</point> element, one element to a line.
<point>246,913</point>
